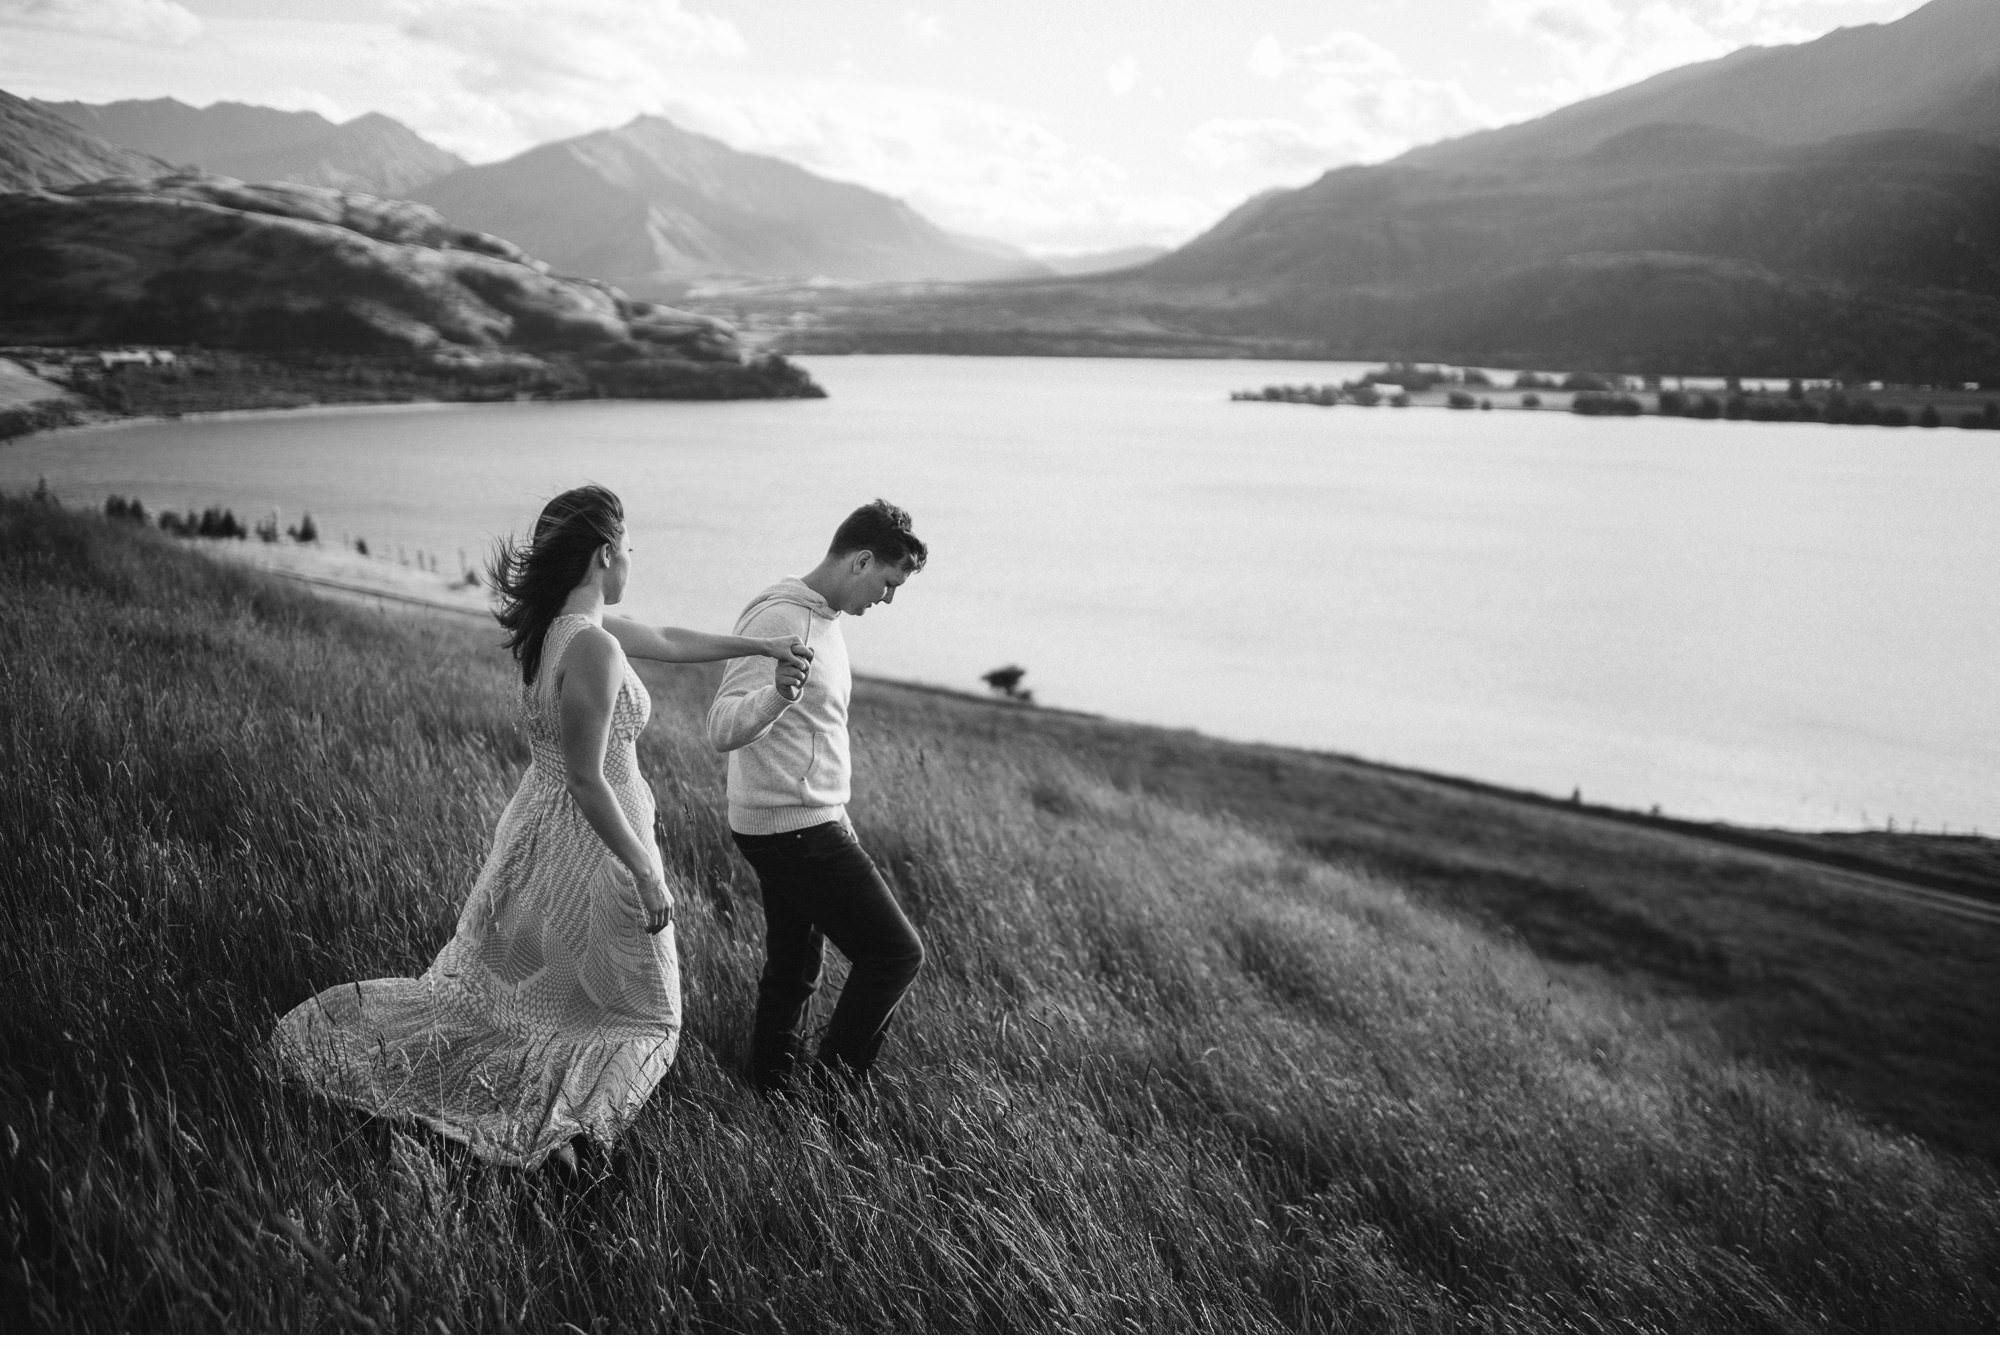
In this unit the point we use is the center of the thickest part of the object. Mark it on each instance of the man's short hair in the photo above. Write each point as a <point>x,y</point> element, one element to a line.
<point>883,530</point>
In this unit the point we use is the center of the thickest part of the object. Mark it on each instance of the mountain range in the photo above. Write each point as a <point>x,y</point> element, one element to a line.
<point>1828,208</point>
<point>650,206</point>
<point>1936,69</point>
<point>371,153</point>
<point>39,149</point>
<point>213,262</point>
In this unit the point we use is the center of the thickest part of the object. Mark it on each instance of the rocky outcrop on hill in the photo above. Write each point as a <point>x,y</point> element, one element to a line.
<point>40,149</point>
<point>214,262</point>
<point>650,207</point>
<point>371,153</point>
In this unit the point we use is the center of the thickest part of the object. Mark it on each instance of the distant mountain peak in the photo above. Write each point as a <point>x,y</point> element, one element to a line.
<point>652,207</point>
<point>41,149</point>
<point>371,153</point>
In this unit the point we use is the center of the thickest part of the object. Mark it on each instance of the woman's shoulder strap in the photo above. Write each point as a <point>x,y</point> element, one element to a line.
<point>562,628</point>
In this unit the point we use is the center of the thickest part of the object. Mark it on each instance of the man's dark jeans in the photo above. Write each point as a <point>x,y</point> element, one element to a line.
<point>818,883</point>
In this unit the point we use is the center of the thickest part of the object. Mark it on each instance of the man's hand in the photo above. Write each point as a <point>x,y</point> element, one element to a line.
<point>794,660</point>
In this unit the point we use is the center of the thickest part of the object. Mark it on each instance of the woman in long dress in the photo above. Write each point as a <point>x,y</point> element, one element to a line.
<point>555,1008</point>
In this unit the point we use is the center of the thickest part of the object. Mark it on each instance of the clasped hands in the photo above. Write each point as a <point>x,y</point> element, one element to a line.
<point>795,660</point>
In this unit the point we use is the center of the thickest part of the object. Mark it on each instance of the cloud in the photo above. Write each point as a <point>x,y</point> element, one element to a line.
<point>1267,58</point>
<point>1122,77</point>
<point>972,166</point>
<point>545,72</point>
<point>146,21</point>
<point>1276,143</point>
<point>1599,45</point>
<point>1358,103</point>
<point>925,29</point>
<point>1347,54</point>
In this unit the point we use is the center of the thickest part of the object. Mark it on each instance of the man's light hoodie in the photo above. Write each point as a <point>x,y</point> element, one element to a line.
<point>788,765</point>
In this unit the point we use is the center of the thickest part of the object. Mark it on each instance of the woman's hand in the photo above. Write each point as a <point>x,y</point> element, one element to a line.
<point>794,664</point>
<point>658,903</point>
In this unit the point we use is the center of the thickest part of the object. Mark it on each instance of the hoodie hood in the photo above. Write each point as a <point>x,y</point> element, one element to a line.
<point>791,590</point>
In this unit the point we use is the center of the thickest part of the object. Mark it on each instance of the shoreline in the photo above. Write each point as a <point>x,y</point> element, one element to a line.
<point>342,570</point>
<point>21,392</point>
<point>47,388</point>
<point>377,583</point>
<point>379,580</point>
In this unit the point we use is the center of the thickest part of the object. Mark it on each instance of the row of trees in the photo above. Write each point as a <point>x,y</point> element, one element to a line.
<point>1423,378</point>
<point>214,522</point>
<point>1580,381</point>
<point>1322,395</point>
<point>220,522</point>
<point>1838,409</point>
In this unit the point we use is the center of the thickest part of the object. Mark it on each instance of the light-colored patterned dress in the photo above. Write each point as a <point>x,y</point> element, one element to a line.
<point>552,1011</point>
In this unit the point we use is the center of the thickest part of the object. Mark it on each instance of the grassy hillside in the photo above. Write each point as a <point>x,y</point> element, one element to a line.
<point>1188,1055</point>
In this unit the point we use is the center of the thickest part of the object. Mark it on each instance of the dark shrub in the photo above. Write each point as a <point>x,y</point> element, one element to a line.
<point>1584,382</point>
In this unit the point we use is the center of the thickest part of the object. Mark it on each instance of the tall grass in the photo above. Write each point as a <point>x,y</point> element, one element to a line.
<point>1164,1071</point>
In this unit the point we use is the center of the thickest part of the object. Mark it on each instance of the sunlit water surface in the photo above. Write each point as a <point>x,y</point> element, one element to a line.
<point>1776,624</point>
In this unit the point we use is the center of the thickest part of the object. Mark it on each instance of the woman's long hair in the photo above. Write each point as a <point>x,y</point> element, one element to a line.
<point>535,580</point>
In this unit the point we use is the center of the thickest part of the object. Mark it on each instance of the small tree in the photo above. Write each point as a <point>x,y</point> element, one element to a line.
<point>1006,681</point>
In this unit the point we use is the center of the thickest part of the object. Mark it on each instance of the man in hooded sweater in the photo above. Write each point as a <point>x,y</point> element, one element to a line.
<point>788,790</point>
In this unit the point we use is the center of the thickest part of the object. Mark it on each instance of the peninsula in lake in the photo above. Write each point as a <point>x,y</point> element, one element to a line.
<point>300,293</point>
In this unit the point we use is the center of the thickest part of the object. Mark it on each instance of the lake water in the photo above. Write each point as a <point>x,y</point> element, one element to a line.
<point>1776,624</point>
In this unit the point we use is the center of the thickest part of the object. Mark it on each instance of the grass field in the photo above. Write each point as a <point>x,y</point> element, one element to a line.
<point>1212,1037</point>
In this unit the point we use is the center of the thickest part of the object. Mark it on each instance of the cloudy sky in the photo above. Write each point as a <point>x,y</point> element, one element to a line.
<point>1057,125</point>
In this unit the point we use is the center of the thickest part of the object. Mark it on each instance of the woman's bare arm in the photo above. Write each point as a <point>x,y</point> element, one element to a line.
<point>588,692</point>
<point>684,646</point>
